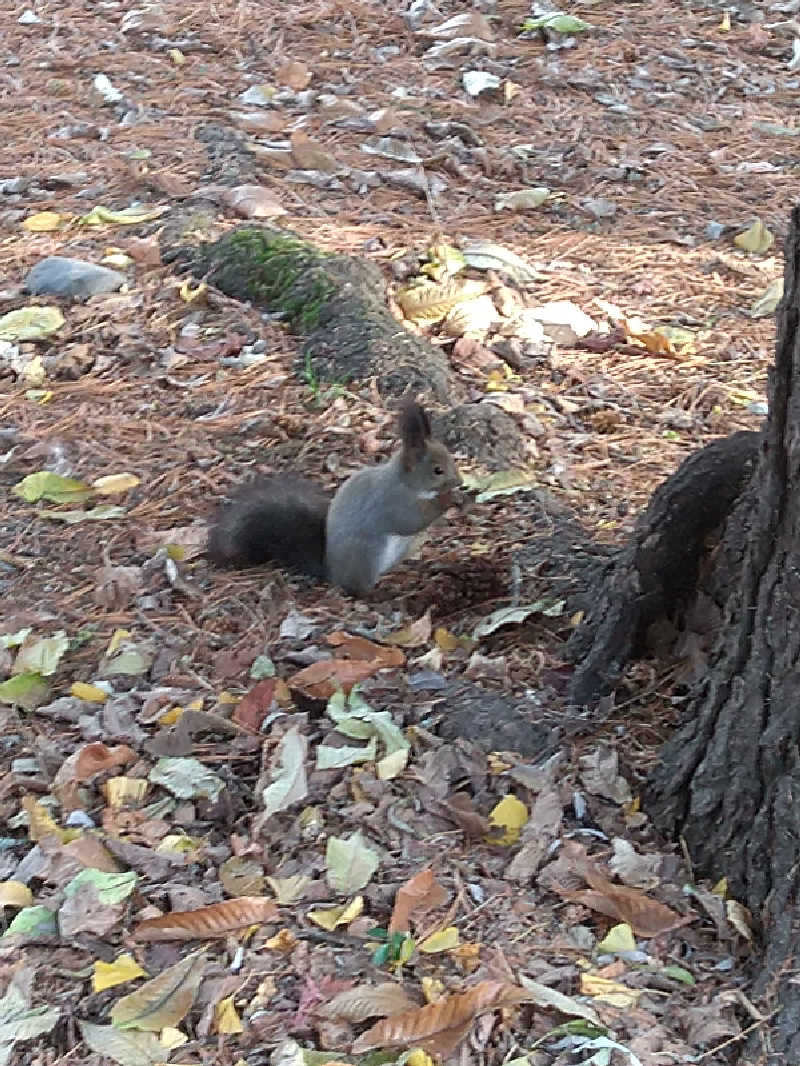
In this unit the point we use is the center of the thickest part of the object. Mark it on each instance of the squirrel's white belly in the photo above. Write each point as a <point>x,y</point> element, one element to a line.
<point>394,549</point>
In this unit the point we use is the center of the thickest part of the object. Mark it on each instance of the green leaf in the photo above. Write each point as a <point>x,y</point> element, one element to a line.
<point>41,656</point>
<point>44,485</point>
<point>109,888</point>
<point>126,1048</point>
<point>262,667</point>
<point>187,779</point>
<point>34,921</point>
<point>558,22</point>
<point>30,323</point>
<point>677,973</point>
<point>350,863</point>
<point>25,690</point>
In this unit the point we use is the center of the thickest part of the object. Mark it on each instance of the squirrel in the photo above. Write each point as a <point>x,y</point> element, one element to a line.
<point>353,537</point>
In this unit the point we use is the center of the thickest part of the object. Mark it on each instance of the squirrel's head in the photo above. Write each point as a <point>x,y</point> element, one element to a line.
<point>429,468</point>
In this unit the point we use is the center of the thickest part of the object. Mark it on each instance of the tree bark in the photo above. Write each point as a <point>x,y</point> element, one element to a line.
<point>729,780</point>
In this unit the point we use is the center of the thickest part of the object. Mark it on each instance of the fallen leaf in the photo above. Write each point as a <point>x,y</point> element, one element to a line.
<point>357,1004</point>
<point>420,894</point>
<point>350,863</point>
<point>322,679</point>
<point>110,974</point>
<point>288,770</point>
<point>757,239</point>
<point>439,1027</point>
<point>163,1001</point>
<point>216,920</point>
<point>128,1049</point>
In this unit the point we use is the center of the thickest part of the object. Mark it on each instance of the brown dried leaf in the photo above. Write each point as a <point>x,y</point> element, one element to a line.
<point>254,706</point>
<point>322,679</point>
<point>82,765</point>
<point>355,647</point>
<point>144,250</point>
<point>165,1001</point>
<point>310,155</point>
<point>218,919</point>
<point>647,917</point>
<point>368,1001</point>
<point>294,74</point>
<point>460,809</point>
<point>117,586</point>
<point>422,893</point>
<point>442,1024</point>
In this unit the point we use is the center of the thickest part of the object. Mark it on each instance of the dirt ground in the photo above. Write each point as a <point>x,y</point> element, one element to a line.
<point>663,132</point>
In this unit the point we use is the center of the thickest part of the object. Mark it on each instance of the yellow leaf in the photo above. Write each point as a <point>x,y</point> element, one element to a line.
<point>40,824</point>
<point>226,1020</point>
<point>108,974</point>
<point>619,938</point>
<point>329,917</point>
<point>15,894</point>
<point>111,484</point>
<point>418,1057</point>
<point>445,640</point>
<point>284,941</point>
<point>756,240</point>
<point>125,791</point>
<point>90,693</point>
<point>509,815</point>
<point>720,888</point>
<point>42,222</point>
<point>611,992</point>
<point>128,216</point>
<point>171,716</point>
<point>725,25</point>
<point>179,59</point>
<point>432,989</point>
<point>178,842</point>
<point>117,637</point>
<point>191,295</point>
<point>444,940</point>
<point>496,765</point>
<point>172,1038</point>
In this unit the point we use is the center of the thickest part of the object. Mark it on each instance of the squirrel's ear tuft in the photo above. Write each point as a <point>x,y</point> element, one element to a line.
<point>415,431</point>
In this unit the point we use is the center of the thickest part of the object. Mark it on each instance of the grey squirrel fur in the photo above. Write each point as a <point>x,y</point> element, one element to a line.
<point>353,537</point>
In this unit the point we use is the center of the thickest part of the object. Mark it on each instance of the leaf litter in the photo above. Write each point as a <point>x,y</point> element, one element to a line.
<point>157,760</point>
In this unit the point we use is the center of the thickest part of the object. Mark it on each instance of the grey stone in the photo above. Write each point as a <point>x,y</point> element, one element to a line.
<point>60,276</point>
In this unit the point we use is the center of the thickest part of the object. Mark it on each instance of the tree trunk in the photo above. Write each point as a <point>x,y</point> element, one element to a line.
<point>729,780</point>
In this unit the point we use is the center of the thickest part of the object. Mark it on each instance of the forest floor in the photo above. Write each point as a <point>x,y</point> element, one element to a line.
<point>663,134</point>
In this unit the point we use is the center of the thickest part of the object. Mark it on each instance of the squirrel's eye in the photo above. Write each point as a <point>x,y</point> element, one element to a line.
<point>438,470</point>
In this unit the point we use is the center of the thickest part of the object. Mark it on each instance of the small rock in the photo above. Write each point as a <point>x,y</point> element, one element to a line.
<point>258,96</point>
<point>599,207</point>
<point>714,230</point>
<point>60,276</point>
<point>476,82</point>
<point>28,18</point>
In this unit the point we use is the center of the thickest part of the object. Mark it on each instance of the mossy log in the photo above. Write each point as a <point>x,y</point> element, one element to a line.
<point>335,303</point>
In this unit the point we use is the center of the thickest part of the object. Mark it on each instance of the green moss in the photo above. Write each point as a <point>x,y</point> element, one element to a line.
<point>280,272</point>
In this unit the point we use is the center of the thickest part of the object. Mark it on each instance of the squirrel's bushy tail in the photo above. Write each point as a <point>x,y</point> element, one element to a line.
<point>279,519</point>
